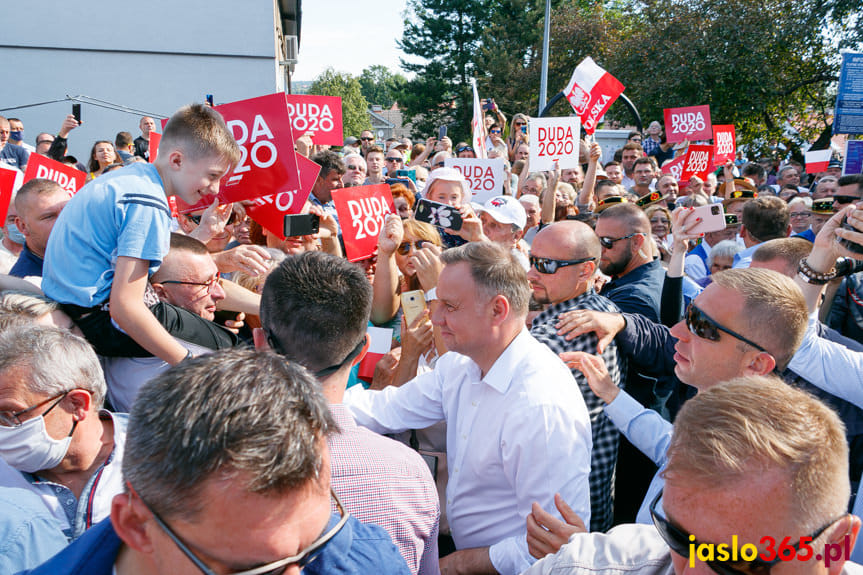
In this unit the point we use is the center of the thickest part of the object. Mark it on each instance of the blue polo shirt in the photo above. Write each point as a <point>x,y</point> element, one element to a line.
<point>28,264</point>
<point>639,291</point>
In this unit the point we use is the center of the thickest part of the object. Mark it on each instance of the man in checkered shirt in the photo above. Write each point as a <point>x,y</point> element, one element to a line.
<point>563,261</point>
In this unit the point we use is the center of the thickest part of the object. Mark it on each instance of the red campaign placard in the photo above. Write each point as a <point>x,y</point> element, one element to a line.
<point>691,123</point>
<point>362,211</point>
<point>67,177</point>
<point>697,162</point>
<point>270,210</point>
<point>153,149</point>
<point>7,184</point>
<point>674,167</point>
<point>724,144</point>
<point>591,91</point>
<point>319,115</point>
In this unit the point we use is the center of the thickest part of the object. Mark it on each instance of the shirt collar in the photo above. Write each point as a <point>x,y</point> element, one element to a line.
<point>499,377</point>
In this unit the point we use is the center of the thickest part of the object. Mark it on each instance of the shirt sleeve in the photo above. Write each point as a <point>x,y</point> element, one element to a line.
<point>829,365</point>
<point>415,405</point>
<point>645,428</point>
<point>693,266</point>
<point>144,230</point>
<point>649,345</point>
<point>534,442</point>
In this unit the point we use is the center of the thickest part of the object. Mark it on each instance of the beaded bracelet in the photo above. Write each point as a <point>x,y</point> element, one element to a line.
<point>811,276</point>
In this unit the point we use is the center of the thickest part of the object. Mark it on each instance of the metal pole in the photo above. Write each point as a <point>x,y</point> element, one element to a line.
<point>543,81</point>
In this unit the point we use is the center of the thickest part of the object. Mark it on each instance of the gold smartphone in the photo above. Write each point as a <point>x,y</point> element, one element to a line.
<point>413,304</point>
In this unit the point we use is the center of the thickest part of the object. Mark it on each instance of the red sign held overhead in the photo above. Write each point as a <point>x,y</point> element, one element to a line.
<point>674,167</point>
<point>724,146</point>
<point>270,210</point>
<point>698,162</point>
<point>692,123</point>
<point>362,211</point>
<point>590,92</point>
<point>67,177</point>
<point>7,185</point>
<point>320,115</point>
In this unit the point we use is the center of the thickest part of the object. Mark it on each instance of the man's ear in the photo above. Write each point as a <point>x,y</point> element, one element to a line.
<point>259,336</point>
<point>762,363</point>
<point>78,402</point>
<point>500,309</point>
<point>129,518</point>
<point>160,290</point>
<point>22,227</point>
<point>842,543</point>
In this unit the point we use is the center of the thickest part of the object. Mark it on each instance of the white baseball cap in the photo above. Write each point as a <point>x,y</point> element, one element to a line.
<point>506,210</point>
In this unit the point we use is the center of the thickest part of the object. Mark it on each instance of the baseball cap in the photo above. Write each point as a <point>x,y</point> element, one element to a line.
<point>448,175</point>
<point>350,141</point>
<point>506,210</point>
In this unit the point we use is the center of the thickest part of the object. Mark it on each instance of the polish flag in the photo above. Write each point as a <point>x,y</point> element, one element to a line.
<point>380,344</point>
<point>478,124</point>
<point>591,91</point>
<point>817,160</point>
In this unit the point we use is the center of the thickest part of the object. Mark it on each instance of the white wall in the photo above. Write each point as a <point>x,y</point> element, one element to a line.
<point>154,56</point>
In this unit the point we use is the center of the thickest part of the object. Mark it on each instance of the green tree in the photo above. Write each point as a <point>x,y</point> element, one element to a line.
<point>355,107</point>
<point>381,86</point>
<point>446,35</point>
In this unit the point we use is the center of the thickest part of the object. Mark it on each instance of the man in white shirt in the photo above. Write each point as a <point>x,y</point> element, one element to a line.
<point>518,429</point>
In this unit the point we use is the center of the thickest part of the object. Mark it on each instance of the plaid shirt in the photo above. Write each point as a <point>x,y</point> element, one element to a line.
<point>384,482</point>
<point>605,434</point>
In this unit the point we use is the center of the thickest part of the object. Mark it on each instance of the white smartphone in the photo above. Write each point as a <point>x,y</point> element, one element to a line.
<point>712,219</point>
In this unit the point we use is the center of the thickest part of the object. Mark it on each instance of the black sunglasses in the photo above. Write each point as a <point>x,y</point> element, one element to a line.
<point>702,325</point>
<point>681,542</point>
<point>845,199</point>
<point>405,247</point>
<point>399,160</point>
<point>197,219</point>
<point>461,149</point>
<point>608,243</point>
<point>367,139</point>
<point>550,266</point>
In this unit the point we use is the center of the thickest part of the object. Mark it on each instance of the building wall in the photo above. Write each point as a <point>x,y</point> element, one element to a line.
<point>152,56</point>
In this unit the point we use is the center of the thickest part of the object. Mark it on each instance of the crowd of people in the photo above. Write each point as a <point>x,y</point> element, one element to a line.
<point>591,384</point>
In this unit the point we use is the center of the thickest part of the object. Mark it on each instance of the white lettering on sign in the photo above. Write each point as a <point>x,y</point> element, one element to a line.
<point>676,170</point>
<point>283,200</point>
<point>311,117</point>
<point>262,152</point>
<point>724,143</point>
<point>479,178</point>
<point>698,161</point>
<point>595,110</point>
<point>66,182</point>
<point>555,141</point>
<point>367,215</point>
<point>687,123</point>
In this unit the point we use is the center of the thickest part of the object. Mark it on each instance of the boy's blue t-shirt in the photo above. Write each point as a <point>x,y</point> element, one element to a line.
<point>122,213</point>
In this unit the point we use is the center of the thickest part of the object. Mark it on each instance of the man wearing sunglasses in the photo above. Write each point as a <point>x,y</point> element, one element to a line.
<point>563,265</point>
<point>227,471</point>
<point>850,190</point>
<point>355,170</point>
<point>56,441</point>
<point>737,479</point>
<point>314,311</point>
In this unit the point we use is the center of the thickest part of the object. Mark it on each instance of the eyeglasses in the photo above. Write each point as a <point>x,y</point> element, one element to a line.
<point>405,247</point>
<point>845,199</point>
<point>702,325</point>
<point>211,284</point>
<point>11,418</point>
<point>494,131</point>
<point>519,123</point>
<point>367,139</point>
<point>40,142</point>
<point>197,219</point>
<point>357,168</point>
<point>461,149</point>
<point>397,160</point>
<point>681,542</point>
<point>550,266</point>
<point>800,214</point>
<point>301,559</point>
<point>608,243</point>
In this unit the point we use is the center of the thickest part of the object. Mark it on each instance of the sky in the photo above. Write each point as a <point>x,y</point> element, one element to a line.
<point>349,36</point>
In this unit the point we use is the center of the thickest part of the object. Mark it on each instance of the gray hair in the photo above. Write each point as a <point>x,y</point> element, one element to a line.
<point>495,270</point>
<point>239,415</point>
<point>55,360</point>
<point>807,202</point>
<point>27,304</point>
<point>724,249</point>
<point>357,157</point>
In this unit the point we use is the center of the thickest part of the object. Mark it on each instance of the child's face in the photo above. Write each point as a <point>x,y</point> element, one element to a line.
<point>195,179</point>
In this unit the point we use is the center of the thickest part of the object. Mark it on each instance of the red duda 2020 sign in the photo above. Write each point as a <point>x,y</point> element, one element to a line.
<point>362,211</point>
<point>67,177</point>
<point>698,162</point>
<point>321,116</point>
<point>270,210</point>
<point>691,123</point>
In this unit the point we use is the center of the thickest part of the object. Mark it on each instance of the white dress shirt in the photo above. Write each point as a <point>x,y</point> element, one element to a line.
<point>518,435</point>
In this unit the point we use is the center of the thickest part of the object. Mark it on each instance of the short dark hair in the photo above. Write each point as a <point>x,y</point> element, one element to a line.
<point>753,169</point>
<point>249,415</point>
<point>189,244</point>
<point>633,146</point>
<point>766,218</point>
<point>848,180</point>
<point>644,160</point>
<point>329,161</point>
<point>123,139</point>
<point>316,307</point>
<point>35,187</point>
<point>630,214</point>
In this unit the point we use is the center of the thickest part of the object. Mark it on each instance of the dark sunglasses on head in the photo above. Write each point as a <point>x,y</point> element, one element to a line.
<point>681,542</point>
<point>702,325</point>
<point>550,266</point>
<point>608,243</point>
<point>845,199</point>
<point>197,219</point>
<point>405,247</point>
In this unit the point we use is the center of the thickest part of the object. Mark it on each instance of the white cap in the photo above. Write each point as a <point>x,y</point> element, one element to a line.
<point>450,175</point>
<point>506,210</point>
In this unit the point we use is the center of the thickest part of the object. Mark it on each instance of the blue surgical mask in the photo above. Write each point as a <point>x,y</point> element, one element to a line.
<point>14,234</point>
<point>16,135</point>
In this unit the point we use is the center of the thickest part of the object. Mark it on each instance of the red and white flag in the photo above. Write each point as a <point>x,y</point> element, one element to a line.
<point>591,91</point>
<point>381,340</point>
<point>477,124</point>
<point>817,160</point>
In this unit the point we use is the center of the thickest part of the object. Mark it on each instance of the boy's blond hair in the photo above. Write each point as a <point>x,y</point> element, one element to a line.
<point>200,132</point>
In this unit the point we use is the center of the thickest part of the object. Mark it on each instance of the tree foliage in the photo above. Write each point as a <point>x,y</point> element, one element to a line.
<point>763,65</point>
<point>380,85</point>
<point>355,107</point>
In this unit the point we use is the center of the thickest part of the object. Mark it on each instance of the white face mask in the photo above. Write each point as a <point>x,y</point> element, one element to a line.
<point>29,448</point>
